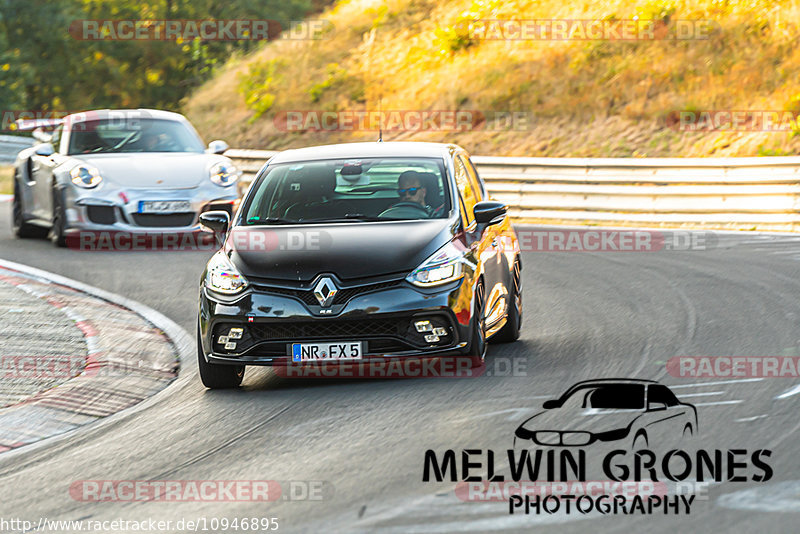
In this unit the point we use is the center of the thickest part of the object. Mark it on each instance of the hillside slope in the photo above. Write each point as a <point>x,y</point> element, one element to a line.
<point>595,98</point>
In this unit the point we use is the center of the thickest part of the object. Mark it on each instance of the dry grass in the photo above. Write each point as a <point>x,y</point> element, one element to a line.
<point>588,98</point>
<point>6,177</point>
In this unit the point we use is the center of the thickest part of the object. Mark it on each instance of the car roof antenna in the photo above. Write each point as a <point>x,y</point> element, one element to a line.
<point>380,120</point>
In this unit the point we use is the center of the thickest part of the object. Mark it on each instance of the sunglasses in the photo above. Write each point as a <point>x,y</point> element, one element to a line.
<point>409,190</point>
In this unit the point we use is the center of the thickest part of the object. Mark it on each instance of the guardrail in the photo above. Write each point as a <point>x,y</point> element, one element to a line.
<point>730,193</point>
<point>10,146</point>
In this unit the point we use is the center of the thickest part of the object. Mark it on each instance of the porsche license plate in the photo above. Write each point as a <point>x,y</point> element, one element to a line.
<point>164,206</point>
<point>345,350</point>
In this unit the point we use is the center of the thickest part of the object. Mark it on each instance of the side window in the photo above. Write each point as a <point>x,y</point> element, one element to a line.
<point>465,190</point>
<point>56,140</point>
<point>659,393</point>
<point>473,178</point>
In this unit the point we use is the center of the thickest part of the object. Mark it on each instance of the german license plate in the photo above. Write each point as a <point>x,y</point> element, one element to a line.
<point>346,350</point>
<point>164,206</point>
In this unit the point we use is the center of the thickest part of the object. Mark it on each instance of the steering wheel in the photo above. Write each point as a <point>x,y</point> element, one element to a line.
<point>406,210</point>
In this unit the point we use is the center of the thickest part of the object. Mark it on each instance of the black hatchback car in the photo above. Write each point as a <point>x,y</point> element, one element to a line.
<point>356,253</point>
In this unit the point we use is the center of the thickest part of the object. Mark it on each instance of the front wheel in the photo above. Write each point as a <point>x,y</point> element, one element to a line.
<point>216,376</point>
<point>58,233</point>
<point>510,331</point>
<point>477,349</point>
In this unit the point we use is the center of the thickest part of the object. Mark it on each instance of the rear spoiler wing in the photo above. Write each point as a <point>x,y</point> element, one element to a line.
<point>23,125</point>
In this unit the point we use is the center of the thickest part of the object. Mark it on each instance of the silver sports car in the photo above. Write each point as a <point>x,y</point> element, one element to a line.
<point>119,170</point>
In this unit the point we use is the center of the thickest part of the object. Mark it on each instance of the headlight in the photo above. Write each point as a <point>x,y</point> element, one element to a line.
<point>222,276</point>
<point>224,174</point>
<point>85,177</point>
<point>445,265</point>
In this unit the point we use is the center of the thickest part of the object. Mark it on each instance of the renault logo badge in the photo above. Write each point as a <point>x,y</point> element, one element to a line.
<point>325,290</point>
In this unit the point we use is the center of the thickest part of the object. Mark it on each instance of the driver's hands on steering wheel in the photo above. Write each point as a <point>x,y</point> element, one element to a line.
<point>407,210</point>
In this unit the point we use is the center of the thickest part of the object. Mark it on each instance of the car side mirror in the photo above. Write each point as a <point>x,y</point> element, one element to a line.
<point>216,221</point>
<point>656,406</point>
<point>44,149</point>
<point>489,212</point>
<point>552,403</point>
<point>217,147</point>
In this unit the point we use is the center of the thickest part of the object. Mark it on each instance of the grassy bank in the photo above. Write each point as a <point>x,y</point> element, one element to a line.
<point>583,97</point>
<point>6,176</point>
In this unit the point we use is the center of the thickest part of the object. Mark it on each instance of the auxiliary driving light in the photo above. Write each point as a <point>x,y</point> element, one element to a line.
<point>235,333</point>
<point>431,338</point>
<point>439,331</point>
<point>423,326</point>
<point>230,345</point>
<point>222,340</point>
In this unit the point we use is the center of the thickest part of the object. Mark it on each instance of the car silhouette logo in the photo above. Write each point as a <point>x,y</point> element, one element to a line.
<point>609,410</point>
<point>325,290</point>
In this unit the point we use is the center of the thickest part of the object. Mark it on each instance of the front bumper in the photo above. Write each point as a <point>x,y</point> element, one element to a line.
<point>116,210</point>
<point>381,319</point>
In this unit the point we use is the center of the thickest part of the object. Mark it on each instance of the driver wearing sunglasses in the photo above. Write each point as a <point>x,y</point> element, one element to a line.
<point>410,189</point>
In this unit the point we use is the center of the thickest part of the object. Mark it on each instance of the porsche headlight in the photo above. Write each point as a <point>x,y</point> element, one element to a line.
<point>222,276</point>
<point>445,265</point>
<point>85,177</point>
<point>224,174</point>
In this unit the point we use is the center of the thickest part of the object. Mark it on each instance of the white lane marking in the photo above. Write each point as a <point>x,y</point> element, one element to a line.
<point>741,380</point>
<point>703,394</point>
<point>514,411</point>
<point>718,403</point>
<point>748,419</point>
<point>789,393</point>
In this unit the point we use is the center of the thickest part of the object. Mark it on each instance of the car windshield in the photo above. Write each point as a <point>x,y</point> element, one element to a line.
<point>608,396</point>
<point>141,135</point>
<point>365,189</point>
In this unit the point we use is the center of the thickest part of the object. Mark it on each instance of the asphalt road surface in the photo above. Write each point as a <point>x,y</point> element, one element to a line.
<point>587,315</point>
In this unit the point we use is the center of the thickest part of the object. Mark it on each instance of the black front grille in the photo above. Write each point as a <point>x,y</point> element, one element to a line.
<point>152,220</point>
<point>101,214</point>
<point>382,335</point>
<point>324,329</point>
<point>342,296</point>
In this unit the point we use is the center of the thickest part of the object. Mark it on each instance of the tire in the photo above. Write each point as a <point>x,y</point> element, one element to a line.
<point>216,376</point>
<point>510,331</point>
<point>58,229</point>
<point>477,346</point>
<point>19,227</point>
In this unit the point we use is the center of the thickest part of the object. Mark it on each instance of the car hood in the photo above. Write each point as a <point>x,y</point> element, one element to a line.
<point>157,170</point>
<point>577,420</point>
<point>348,250</point>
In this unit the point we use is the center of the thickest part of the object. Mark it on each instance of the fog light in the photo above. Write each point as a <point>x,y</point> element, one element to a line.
<point>439,331</point>
<point>222,340</point>
<point>230,345</point>
<point>423,326</point>
<point>235,333</point>
<point>431,338</point>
